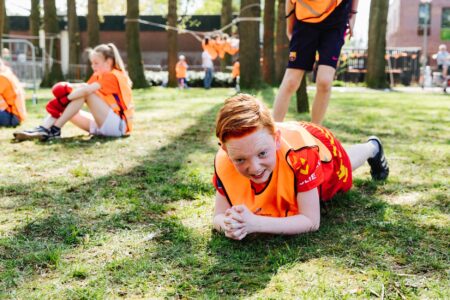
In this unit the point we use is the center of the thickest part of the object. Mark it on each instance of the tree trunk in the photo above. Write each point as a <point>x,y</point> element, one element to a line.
<point>93,31</point>
<point>225,19</point>
<point>2,20</point>
<point>93,24</point>
<point>376,62</point>
<point>302,97</point>
<point>135,65</point>
<point>249,48</point>
<point>172,39</point>
<point>268,51</point>
<point>35,24</point>
<point>281,43</point>
<point>5,22</point>
<point>53,72</point>
<point>74,32</point>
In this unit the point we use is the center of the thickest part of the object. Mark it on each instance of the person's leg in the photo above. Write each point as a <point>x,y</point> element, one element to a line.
<point>302,51</point>
<point>205,80</point>
<point>48,122</point>
<point>324,80</point>
<point>97,107</point>
<point>445,76</point>
<point>5,118</point>
<point>373,152</point>
<point>360,153</point>
<point>211,78</point>
<point>330,44</point>
<point>83,120</point>
<point>291,82</point>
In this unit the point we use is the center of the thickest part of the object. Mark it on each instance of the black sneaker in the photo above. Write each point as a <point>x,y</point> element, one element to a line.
<point>53,133</point>
<point>38,133</point>
<point>379,168</point>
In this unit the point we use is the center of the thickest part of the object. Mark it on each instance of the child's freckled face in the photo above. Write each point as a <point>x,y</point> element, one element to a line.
<point>254,155</point>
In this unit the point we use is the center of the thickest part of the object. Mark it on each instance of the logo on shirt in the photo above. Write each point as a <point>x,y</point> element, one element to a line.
<point>292,56</point>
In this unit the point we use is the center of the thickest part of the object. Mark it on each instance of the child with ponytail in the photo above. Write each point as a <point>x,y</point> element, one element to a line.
<point>107,94</point>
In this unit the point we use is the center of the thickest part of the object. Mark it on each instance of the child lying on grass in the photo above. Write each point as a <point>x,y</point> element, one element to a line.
<point>271,177</point>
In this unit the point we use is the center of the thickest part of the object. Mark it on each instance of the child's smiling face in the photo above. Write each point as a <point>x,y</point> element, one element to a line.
<point>254,155</point>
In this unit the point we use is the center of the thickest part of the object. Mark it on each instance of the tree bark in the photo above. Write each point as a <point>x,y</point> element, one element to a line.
<point>268,48</point>
<point>93,30</point>
<point>35,24</point>
<point>93,24</point>
<point>302,97</point>
<point>376,62</point>
<point>53,72</point>
<point>281,43</point>
<point>172,39</point>
<point>74,32</point>
<point>135,64</point>
<point>225,19</point>
<point>249,45</point>
<point>2,20</point>
<point>5,22</point>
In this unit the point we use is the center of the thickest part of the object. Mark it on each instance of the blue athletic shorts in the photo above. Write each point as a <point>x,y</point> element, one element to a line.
<point>8,120</point>
<point>325,37</point>
<point>307,39</point>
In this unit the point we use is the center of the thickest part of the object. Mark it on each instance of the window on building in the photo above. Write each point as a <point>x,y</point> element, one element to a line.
<point>445,24</point>
<point>424,18</point>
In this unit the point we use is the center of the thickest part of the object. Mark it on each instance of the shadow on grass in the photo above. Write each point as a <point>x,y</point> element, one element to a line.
<point>141,195</point>
<point>359,232</point>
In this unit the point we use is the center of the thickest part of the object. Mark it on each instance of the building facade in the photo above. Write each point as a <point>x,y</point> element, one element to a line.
<point>406,19</point>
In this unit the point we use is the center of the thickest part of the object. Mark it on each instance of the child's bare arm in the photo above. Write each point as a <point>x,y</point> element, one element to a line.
<point>308,219</point>
<point>220,209</point>
<point>84,90</point>
<point>289,7</point>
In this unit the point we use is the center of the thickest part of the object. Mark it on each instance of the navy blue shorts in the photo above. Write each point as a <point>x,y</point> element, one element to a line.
<point>309,38</point>
<point>8,120</point>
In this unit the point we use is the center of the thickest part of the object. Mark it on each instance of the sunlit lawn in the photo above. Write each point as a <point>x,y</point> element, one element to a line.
<point>87,218</point>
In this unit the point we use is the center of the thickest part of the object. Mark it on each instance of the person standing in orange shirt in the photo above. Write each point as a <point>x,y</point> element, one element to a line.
<point>314,26</point>
<point>181,72</point>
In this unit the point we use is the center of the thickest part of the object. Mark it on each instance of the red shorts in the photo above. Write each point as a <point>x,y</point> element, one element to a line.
<point>337,172</point>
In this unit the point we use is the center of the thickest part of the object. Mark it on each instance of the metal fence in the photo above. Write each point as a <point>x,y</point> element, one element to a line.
<point>402,65</point>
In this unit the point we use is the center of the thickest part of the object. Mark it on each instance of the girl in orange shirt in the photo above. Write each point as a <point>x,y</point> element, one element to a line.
<point>107,95</point>
<point>181,72</point>
<point>12,98</point>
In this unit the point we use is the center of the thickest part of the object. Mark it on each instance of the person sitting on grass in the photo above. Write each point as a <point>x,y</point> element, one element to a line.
<point>12,98</point>
<point>107,95</point>
<point>271,177</point>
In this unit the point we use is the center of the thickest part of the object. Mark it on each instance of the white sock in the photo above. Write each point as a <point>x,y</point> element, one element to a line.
<point>376,148</point>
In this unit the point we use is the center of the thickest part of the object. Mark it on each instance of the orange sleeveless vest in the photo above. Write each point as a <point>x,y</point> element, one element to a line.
<point>15,102</point>
<point>314,11</point>
<point>125,106</point>
<point>279,198</point>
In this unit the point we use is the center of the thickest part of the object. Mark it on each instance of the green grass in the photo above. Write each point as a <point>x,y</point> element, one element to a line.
<point>93,218</point>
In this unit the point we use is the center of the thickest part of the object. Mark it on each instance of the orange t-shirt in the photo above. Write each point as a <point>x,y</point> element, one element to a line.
<point>108,83</point>
<point>181,69</point>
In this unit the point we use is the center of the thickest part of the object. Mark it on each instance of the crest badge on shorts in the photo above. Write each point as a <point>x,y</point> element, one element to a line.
<point>292,56</point>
